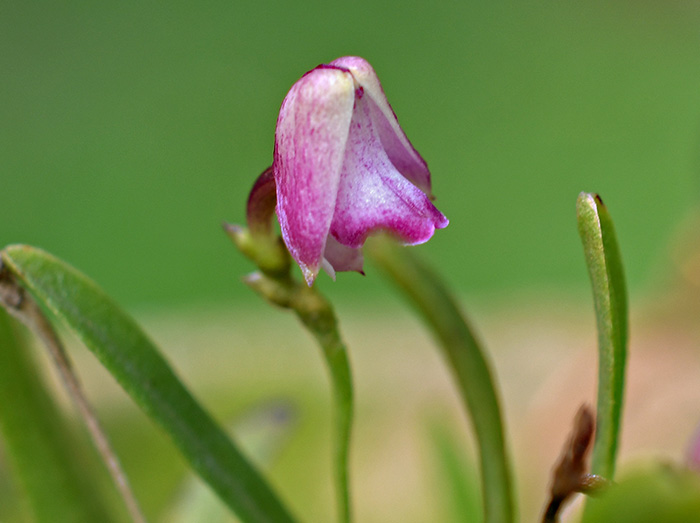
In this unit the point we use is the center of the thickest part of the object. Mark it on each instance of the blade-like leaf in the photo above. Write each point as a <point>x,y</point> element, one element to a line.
<point>38,442</point>
<point>133,360</point>
<point>610,298</point>
<point>261,432</point>
<point>467,362</point>
<point>457,477</point>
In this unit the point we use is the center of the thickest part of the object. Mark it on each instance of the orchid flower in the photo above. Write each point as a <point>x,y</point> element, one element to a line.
<point>344,169</point>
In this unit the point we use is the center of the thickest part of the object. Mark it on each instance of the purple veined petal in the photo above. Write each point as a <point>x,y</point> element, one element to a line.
<point>312,130</point>
<point>398,148</point>
<point>373,195</point>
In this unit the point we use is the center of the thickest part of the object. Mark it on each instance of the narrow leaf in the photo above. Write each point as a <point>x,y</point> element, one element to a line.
<point>262,432</point>
<point>467,362</point>
<point>37,440</point>
<point>459,484</point>
<point>610,299</point>
<point>133,360</point>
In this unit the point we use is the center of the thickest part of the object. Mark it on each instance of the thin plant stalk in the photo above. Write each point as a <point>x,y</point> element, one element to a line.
<point>274,282</point>
<point>321,322</point>
<point>317,315</point>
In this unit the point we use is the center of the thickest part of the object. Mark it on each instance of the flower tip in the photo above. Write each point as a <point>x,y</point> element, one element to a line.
<point>352,62</point>
<point>252,279</point>
<point>309,274</point>
<point>238,234</point>
<point>231,228</point>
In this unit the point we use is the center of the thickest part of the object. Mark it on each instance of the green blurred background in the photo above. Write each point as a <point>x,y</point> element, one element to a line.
<point>130,131</point>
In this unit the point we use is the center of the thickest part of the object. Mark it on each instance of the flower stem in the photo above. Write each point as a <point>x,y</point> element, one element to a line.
<point>274,282</point>
<point>467,362</point>
<point>317,315</point>
<point>322,324</point>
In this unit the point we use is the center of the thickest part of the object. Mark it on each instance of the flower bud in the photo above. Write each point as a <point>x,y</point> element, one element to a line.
<point>344,169</point>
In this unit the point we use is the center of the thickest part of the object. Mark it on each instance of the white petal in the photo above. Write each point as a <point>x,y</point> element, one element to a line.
<point>373,195</point>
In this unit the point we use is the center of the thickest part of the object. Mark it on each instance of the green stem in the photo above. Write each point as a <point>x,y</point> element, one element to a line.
<point>467,362</point>
<point>610,297</point>
<point>322,324</point>
<point>38,441</point>
<point>266,249</point>
<point>317,315</point>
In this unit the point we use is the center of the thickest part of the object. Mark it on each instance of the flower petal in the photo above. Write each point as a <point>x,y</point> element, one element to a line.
<point>398,148</point>
<point>312,130</point>
<point>341,258</point>
<point>373,195</point>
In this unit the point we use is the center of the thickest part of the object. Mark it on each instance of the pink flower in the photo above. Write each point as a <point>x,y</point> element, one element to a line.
<point>344,169</point>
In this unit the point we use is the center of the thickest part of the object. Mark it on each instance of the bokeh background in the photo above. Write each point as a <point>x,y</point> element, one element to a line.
<point>130,131</point>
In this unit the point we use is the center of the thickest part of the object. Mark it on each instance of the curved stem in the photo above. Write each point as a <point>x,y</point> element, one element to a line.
<point>267,250</point>
<point>467,362</point>
<point>321,322</point>
<point>317,315</point>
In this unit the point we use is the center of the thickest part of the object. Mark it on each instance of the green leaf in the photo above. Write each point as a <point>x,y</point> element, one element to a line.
<point>459,485</point>
<point>653,494</point>
<point>467,362</point>
<point>610,298</point>
<point>133,360</point>
<point>262,432</point>
<point>38,441</point>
